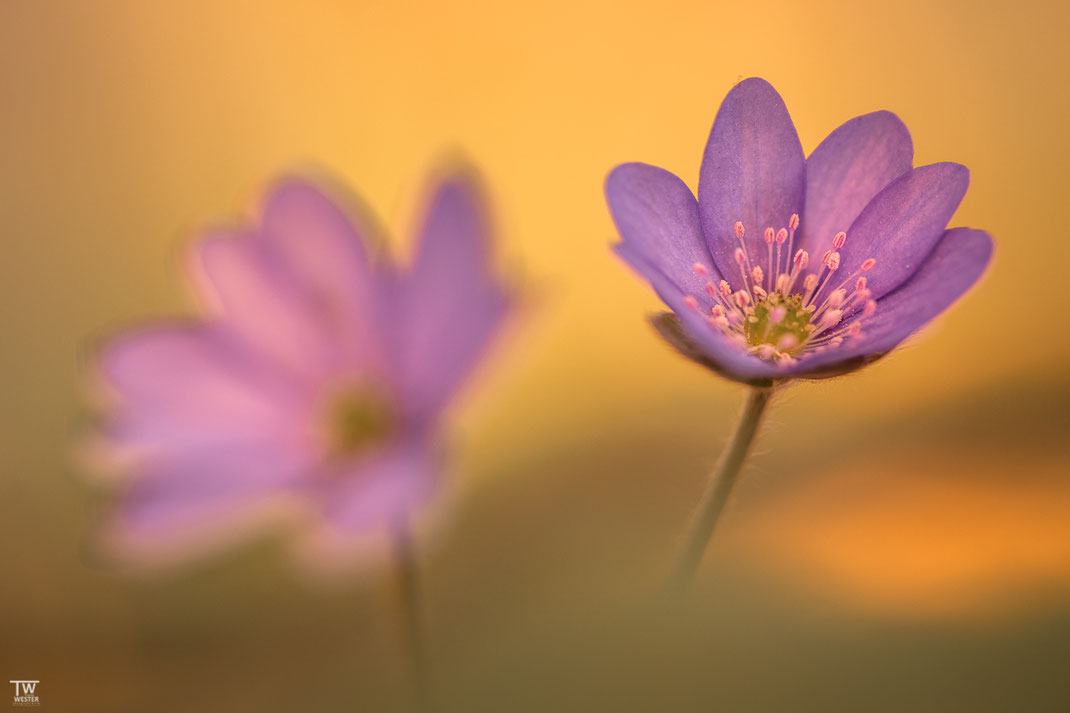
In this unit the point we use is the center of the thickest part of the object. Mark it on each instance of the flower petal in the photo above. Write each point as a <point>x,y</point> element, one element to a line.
<point>724,355</point>
<point>847,170</point>
<point>325,250</point>
<point>261,301</point>
<point>657,215</point>
<point>902,224</point>
<point>753,171</point>
<point>377,495</point>
<point>201,497</point>
<point>957,263</point>
<point>185,385</point>
<point>449,306</point>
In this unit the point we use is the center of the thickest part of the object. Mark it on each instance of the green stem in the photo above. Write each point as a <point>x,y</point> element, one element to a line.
<point>724,478</point>
<point>412,622</point>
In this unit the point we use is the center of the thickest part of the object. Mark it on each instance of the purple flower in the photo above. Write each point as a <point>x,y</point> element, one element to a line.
<point>791,267</point>
<point>319,376</point>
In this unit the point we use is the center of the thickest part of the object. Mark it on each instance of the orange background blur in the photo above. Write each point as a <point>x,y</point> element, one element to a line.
<point>902,540</point>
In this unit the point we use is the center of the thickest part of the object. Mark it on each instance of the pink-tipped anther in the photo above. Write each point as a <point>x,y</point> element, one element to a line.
<point>770,236</point>
<point>839,240</point>
<point>725,288</point>
<point>868,265</point>
<point>861,284</point>
<point>869,309</point>
<point>691,302</point>
<point>837,297</point>
<point>833,261</point>
<point>810,282</point>
<point>700,269</point>
<point>793,221</point>
<point>802,259</point>
<point>711,289</point>
<point>743,298</point>
<point>757,274</point>
<point>781,236</point>
<point>739,230</point>
<point>739,256</point>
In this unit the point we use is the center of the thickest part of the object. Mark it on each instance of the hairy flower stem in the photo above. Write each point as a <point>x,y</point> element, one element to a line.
<point>408,592</point>
<point>724,478</point>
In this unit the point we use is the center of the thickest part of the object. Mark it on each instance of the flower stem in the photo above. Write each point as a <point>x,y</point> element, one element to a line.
<point>408,592</point>
<point>724,478</point>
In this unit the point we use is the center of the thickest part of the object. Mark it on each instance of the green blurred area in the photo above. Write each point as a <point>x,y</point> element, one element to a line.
<point>544,591</point>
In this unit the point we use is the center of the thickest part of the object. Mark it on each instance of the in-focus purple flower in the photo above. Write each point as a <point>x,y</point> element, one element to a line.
<point>791,267</point>
<point>319,376</point>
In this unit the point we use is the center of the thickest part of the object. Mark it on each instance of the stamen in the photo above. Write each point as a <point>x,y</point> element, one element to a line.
<point>770,235</point>
<point>766,316</point>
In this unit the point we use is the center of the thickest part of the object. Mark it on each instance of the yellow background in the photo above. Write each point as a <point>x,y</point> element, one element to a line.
<point>931,488</point>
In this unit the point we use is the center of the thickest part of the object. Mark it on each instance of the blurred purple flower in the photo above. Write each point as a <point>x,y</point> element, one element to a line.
<point>791,267</point>
<point>319,377</point>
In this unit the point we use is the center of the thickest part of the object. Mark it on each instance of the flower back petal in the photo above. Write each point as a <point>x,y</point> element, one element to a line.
<point>847,170</point>
<point>753,171</point>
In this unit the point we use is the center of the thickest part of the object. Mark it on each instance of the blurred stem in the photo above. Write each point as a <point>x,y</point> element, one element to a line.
<point>408,592</point>
<point>723,479</point>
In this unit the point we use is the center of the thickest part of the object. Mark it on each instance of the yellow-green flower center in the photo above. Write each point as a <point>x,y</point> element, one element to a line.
<point>781,322</point>
<point>358,419</point>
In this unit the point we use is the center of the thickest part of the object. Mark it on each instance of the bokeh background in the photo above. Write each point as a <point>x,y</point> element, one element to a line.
<point>902,539</point>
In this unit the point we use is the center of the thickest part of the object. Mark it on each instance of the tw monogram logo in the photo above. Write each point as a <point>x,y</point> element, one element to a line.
<point>26,693</point>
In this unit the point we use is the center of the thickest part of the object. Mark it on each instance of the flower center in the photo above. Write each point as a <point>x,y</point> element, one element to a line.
<point>776,311</point>
<point>779,321</point>
<point>358,419</point>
